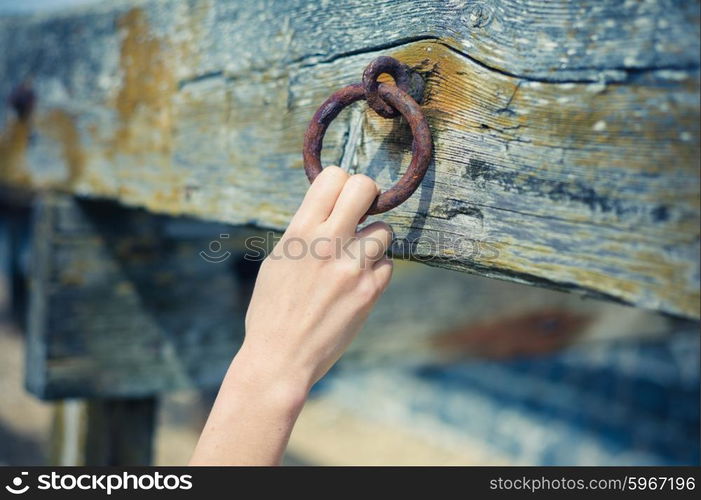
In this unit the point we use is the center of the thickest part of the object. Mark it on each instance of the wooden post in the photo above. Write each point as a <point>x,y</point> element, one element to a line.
<point>123,308</point>
<point>103,431</point>
<point>123,305</point>
<point>120,431</point>
<point>15,215</point>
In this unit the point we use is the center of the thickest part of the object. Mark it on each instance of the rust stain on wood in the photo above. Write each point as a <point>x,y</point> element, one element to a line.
<point>529,334</point>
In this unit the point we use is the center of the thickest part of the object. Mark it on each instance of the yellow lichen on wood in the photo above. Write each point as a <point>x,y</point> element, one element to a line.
<point>13,146</point>
<point>146,116</point>
<point>60,126</point>
<point>144,101</point>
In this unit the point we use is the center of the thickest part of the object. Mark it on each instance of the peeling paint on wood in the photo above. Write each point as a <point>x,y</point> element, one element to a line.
<point>566,143</point>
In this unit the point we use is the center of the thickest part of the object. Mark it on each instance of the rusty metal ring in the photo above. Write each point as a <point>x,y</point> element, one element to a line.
<point>421,145</point>
<point>397,70</point>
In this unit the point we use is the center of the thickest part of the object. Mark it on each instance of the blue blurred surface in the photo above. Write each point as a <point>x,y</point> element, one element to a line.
<point>611,403</point>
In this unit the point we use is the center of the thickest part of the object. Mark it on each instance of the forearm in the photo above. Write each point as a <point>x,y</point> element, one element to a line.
<point>304,312</point>
<point>253,416</point>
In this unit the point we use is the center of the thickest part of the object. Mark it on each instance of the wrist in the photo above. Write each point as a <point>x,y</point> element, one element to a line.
<point>264,380</point>
<point>253,415</point>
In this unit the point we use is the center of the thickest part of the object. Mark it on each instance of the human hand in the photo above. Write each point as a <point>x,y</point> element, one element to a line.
<point>316,288</point>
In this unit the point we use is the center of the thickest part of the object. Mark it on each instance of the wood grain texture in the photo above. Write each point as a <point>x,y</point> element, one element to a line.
<point>566,134</point>
<point>122,305</point>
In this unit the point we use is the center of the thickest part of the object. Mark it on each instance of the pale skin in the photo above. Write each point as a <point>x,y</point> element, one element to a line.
<point>306,308</point>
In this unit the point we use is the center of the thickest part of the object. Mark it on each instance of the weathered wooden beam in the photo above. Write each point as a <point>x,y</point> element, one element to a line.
<point>122,304</point>
<point>566,133</point>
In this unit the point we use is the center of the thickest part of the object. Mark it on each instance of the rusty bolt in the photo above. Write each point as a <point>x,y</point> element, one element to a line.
<point>22,99</point>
